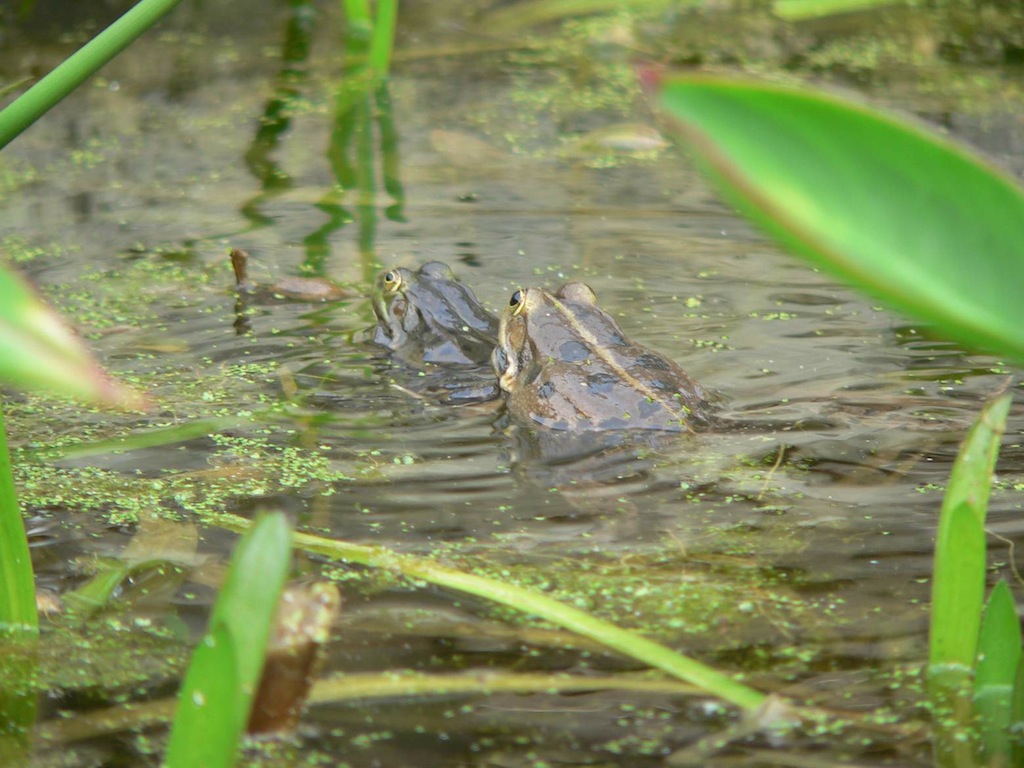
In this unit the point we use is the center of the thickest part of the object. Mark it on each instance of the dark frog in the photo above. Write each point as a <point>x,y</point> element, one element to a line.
<point>564,363</point>
<point>435,325</point>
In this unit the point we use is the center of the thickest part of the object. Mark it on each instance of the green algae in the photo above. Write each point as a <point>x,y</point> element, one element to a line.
<point>580,78</point>
<point>244,469</point>
<point>716,603</point>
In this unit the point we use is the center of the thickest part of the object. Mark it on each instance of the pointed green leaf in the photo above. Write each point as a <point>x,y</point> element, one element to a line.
<point>970,482</point>
<point>37,351</point>
<point>226,666</point>
<point>959,578</point>
<point>999,654</point>
<point>899,212</point>
<point>999,649</point>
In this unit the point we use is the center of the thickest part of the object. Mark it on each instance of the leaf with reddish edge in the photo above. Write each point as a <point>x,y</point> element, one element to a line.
<point>895,210</point>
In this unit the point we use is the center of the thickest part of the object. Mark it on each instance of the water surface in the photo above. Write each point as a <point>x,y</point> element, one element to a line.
<point>792,543</point>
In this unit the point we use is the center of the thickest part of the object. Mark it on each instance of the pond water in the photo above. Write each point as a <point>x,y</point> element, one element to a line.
<point>791,544</point>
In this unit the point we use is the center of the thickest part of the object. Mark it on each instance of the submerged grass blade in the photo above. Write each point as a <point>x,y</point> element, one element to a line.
<point>369,686</point>
<point>628,643</point>
<point>216,695</point>
<point>800,10</point>
<point>898,212</point>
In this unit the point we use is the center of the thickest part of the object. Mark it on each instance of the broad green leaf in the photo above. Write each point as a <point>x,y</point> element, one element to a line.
<point>999,654</point>
<point>897,211</point>
<point>37,351</point>
<point>216,695</point>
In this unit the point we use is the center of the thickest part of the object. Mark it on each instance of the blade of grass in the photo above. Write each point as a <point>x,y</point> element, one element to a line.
<point>999,655</point>
<point>1017,715</point>
<point>383,36</point>
<point>958,593</point>
<point>959,577</point>
<point>628,643</point>
<point>35,102</point>
<point>17,585</point>
<point>216,695</point>
<point>958,586</point>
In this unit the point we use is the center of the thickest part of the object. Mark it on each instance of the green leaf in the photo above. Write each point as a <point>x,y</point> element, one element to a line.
<point>1017,716</point>
<point>999,649</point>
<point>999,655</point>
<point>18,616</point>
<point>208,722</point>
<point>970,481</point>
<point>216,696</point>
<point>37,351</point>
<point>959,579</point>
<point>958,590</point>
<point>895,210</point>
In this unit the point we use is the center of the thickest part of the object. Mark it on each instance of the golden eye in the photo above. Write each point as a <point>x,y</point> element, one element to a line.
<point>517,301</point>
<point>392,280</point>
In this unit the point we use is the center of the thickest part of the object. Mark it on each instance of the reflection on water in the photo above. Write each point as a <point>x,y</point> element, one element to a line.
<point>792,541</point>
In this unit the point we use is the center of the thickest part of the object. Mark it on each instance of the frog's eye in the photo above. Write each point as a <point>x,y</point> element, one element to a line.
<point>517,301</point>
<point>392,279</point>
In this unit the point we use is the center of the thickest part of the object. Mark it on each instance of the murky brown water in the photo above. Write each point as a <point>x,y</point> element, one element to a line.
<point>792,544</point>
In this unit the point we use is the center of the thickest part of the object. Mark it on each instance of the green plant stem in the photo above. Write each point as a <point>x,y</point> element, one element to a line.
<point>609,635</point>
<point>383,36</point>
<point>357,11</point>
<point>17,585</point>
<point>35,102</point>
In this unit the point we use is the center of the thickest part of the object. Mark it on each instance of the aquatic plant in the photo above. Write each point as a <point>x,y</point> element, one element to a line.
<point>224,673</point>
<point>37,351</point>
<point>81,65</point>
<point>933,231</point>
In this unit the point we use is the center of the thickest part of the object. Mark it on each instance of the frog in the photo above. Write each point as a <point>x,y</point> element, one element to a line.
<point>434,324</point>
<point>564,363</point>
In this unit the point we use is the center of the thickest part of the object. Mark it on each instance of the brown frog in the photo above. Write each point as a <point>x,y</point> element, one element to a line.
<point>436,325</point>
<point>564,363</point>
